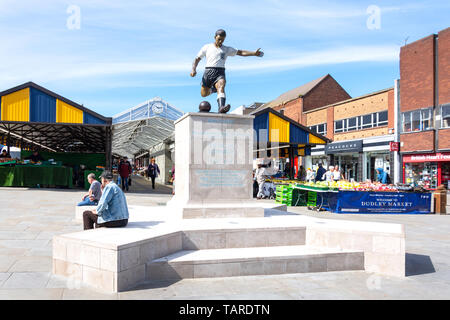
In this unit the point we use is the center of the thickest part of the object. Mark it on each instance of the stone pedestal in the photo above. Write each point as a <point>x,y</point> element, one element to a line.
<point>213,166</point>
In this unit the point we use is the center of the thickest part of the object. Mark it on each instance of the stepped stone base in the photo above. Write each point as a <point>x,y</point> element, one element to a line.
<point>155,246</point>
<point>231,209</point>
<point>253,261</point>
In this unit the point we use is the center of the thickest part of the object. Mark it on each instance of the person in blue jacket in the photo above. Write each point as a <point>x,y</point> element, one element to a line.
<point>153,171</point>
<point>112,208</point>
<point>381,176</point>
<point>320,172</point>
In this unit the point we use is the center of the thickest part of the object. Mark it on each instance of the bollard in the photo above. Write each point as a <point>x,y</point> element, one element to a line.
<point>440,200</point>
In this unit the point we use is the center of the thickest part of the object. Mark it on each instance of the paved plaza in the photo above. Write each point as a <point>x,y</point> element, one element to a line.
<point>29,218</point>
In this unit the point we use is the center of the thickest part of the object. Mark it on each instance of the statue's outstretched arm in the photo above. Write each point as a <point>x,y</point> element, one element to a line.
<point>245,53</point>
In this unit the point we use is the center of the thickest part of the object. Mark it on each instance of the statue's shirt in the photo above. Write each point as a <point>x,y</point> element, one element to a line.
<point>215,57</point>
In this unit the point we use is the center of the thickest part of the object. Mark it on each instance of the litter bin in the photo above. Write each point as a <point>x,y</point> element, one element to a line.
<point>440,200</point>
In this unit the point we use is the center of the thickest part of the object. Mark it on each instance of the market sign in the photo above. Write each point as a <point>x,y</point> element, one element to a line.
<point>433,157</point>
<point>394,146</point>
<point>348,146</point>
<point>381,202</point>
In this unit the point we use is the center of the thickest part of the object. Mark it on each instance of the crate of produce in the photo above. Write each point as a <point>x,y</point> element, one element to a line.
<point>286,202</point>
<point>283,188</point>
<point>283,198</point>
<point>312,199</point>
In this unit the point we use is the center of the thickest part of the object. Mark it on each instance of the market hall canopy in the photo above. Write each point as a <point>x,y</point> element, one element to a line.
<point>138,129</point>
<point>274,128</point>
<point>32,116</point>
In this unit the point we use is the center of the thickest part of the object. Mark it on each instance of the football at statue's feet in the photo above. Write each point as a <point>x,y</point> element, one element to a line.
<point>204,106</point>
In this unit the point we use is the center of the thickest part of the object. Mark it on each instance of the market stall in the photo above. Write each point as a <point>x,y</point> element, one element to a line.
<point>71,140</point>
<point>281,138</point>
<point>45,174</point>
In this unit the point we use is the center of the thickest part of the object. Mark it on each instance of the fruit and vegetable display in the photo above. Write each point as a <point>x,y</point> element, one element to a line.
<point>349,186</point>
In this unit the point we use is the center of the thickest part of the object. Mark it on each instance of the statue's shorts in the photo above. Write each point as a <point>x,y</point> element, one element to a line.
<point>211,76</point>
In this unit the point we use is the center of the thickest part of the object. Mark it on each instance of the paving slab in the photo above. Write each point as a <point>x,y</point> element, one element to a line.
<point>31,294</point>
<point>427,244</point>
<point>6,261</point>
<point>27,280</point>
<point>32,264</point>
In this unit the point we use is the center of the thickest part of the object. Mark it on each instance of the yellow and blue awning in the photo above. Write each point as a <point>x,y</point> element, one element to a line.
<point>273,127</point>
<point>34,117</point>
<point>32,103</point>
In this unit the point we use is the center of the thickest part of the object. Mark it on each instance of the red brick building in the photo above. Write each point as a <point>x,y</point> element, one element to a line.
<point>425,110</point>
<point>312,95</point>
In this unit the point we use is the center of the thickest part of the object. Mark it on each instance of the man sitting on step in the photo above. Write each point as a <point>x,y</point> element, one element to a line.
<point>112,209</point>
<point>94,194</point>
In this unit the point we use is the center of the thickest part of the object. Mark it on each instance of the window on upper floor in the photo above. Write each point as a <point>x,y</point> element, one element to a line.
<point>406,121</point>
<point>382,118</point>
<point>426,119</point>
<point>319,128</point>
<point>366,121</point>
<point>352,124</point>
<point>340,126</point>
<point>445,116</point>
<point>417,120</point>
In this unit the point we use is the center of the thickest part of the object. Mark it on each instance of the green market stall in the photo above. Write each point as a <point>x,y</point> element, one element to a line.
<point>30,175</point>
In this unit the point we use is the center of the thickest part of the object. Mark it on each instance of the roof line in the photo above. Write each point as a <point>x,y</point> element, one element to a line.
<point>266,105</point>
<point>56,96</point>
<point>144,103</point>
<point>323,78</point>
<point>349,100</point>
<point>301,96</point>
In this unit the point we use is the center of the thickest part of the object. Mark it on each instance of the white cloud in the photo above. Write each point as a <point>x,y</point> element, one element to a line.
<point>58,70</point>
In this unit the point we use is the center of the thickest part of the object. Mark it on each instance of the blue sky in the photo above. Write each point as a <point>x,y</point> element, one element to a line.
<point>126,52</point>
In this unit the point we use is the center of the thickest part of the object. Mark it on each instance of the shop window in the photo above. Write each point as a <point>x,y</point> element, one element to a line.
<point>366,121</point>
<point>382,118</point>
<point>422,174</point>
<point>339,126</point>
<point>352,124</point>
<point>445,115</point>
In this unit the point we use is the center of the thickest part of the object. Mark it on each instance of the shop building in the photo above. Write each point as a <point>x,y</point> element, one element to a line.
<point>310,96</point>
<point>295,103</point>
<point>361,129</point>
<point>425,111</point>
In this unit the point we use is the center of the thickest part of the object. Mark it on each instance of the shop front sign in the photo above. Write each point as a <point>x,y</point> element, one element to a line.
<point>433,157</point>
<point>394,146</point>
<point>340,147</point>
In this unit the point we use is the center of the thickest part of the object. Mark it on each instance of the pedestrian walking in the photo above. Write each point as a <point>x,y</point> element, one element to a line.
<point>124,172</point>
<point>153,171</point>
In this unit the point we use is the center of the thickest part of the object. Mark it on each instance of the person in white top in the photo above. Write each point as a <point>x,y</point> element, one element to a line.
<point>336,174</point>
<point>309,175</point>
<point>214,76</point>
<point>329,175</point>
